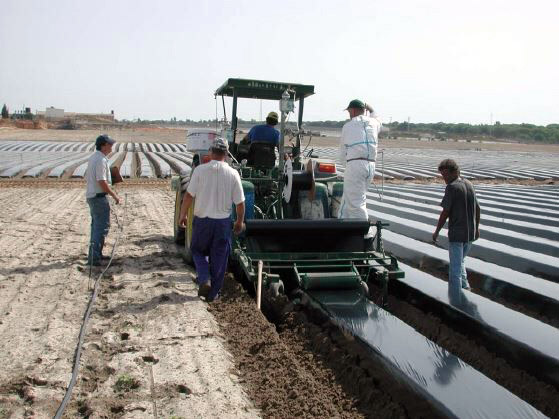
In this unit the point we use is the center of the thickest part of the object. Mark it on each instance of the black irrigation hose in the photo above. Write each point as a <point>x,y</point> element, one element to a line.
<point>78,352</point>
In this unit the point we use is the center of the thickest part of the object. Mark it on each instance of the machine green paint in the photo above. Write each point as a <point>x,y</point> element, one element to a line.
<point>291,225</point>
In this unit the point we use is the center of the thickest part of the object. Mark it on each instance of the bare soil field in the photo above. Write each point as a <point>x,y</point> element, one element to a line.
<point>151,348</point>
<point>178,135</point>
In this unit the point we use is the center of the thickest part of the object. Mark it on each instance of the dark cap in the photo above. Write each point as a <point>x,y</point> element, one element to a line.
<point>355,103</point>
<point>104,139</point>
<point>220,144</point>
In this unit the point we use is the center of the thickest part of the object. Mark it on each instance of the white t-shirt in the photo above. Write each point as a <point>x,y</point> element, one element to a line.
<point>216,187</point>
<point>360,138</point>
<point>97,169</point>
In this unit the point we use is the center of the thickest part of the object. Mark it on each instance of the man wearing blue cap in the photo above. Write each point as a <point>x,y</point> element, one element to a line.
<point>216,187</point>
<point>99,181</point>
<point>358,150</point>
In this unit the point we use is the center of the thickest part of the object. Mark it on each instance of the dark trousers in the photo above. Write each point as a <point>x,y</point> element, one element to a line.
<point>100,222</point>
<point>211,238</point>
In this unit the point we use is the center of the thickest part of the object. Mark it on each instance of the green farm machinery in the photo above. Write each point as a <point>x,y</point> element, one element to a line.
<point>294,239</point>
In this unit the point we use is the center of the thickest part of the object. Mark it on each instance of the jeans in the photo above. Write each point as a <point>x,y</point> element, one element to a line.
<point>100,222</point>
<point>457,277</point>
<point>211,237</point>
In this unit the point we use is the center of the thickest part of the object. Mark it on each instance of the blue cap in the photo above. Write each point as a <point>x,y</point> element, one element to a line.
<point>104,139</point>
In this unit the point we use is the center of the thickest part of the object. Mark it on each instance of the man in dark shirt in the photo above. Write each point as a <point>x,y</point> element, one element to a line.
<point>461,208</point>
<point>265,133</point>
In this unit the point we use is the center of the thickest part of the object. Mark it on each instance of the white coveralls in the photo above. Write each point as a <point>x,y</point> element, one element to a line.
<point>358,150</point>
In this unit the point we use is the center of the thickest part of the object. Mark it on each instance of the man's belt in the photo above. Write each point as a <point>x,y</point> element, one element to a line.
<point>100,194</point>
<point>361,158</point>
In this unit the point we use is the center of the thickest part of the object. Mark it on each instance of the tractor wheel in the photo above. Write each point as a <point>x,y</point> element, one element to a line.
<point>277,288</point>
<point>178,231</point>
<point>364,288</point>
<point>187,255</point>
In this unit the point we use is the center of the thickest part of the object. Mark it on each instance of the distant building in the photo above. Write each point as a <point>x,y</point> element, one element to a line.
<point>54,113</point>
<point>24,114</point>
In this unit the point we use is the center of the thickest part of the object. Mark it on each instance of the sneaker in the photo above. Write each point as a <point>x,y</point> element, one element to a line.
<point>204,290</point>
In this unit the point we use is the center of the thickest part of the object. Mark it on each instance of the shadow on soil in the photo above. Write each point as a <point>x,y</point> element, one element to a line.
<point>159,259</point>
<point>137,308</point>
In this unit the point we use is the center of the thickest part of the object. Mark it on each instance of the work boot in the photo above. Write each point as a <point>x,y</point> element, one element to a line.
<point>212,299</point>
<point>204,289</point>
<point>94,263</point>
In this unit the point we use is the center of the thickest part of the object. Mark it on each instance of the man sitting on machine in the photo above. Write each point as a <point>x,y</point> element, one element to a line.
<point>259,144</point>
<point>265,133</point>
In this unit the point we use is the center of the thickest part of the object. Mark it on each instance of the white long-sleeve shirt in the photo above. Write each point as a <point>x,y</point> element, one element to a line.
<point>359,138</point>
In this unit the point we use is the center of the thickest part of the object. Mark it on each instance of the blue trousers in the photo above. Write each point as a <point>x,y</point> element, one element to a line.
<point>100,222</point>
<point>211,238</point>
<point>457,278</point>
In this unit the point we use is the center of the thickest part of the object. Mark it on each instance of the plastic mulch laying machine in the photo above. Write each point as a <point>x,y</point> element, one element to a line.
<point>292,202</point>
<point>295,244</point>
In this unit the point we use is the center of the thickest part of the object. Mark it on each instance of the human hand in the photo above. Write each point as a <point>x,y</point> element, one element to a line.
<point>183,220</point>
<point>435,236</point>
<point>239,227</point>
<point>477,234</point>
<point>117,199</point>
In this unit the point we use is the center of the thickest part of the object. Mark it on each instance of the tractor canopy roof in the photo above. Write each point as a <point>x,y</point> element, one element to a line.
<point>262,89</point>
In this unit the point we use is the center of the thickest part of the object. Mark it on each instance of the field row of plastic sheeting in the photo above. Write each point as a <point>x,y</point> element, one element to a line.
<point>405,164</point>
<point>517,233</point>
<point>69,159</point>
<point>445,381</point>
<point>518,337</point>
<point>411,164</point>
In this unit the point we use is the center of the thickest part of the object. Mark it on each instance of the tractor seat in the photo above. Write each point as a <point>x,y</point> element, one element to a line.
<point>262,154</point>
<point>242,151</point>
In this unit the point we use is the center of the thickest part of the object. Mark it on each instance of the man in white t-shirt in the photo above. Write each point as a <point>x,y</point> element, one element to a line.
<point>358,150</point>
<point>216,187</point>
<point>98,178</point>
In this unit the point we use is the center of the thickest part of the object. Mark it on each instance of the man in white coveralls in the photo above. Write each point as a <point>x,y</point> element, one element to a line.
<point>358,150</point>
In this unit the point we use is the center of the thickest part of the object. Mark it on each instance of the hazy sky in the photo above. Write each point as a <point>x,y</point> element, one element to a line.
<point>431,60</point>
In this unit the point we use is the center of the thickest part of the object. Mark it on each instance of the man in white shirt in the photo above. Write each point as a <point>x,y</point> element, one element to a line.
<point>216,187</point>
<point>98,177</point>
<point>358,150</point>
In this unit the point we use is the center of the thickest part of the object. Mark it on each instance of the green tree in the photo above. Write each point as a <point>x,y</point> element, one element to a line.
<point>5,112</point>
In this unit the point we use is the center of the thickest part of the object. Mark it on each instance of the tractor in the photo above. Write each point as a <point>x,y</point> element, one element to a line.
<point>294,239</point>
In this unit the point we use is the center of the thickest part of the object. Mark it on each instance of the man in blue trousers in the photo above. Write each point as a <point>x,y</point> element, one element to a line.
<point>461,208</point>
<point>216,187</point>
<point>99,181</point>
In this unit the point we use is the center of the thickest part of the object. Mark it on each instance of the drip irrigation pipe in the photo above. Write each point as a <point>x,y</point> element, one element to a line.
<point>78,352</point>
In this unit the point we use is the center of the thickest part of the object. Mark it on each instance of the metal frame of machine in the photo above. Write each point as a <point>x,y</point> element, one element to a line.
<point>321,253</point>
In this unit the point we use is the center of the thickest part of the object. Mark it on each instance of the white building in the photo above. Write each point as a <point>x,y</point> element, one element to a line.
<point>54,113</point>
